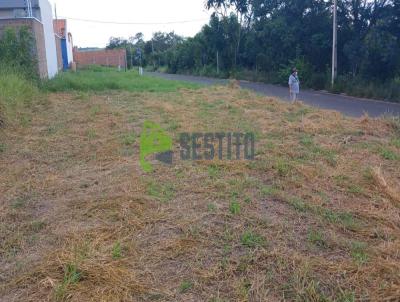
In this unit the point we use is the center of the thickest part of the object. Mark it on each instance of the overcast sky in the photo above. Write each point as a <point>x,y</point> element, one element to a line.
<point>87,34</point>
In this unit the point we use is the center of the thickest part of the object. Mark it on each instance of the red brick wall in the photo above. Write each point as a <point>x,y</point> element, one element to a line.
<point>114,57</point>
<point>37,30</point>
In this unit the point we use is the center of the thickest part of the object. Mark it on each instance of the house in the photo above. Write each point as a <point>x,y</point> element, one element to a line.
<point>61,31</point>
<point>37,16</point>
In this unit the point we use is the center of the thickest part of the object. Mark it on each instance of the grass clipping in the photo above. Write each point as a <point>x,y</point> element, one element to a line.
<point>390,191</point>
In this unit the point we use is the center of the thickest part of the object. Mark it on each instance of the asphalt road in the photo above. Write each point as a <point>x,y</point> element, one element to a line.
<point>347,105</point>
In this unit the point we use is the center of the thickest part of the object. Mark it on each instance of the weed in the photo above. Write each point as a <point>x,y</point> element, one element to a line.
<point>17,97</point>
<point>20,202</point>
<point>268,191</point>
<point>395,142</point>
<point>368,175</point>
<point>316,238</point>
<point>116,251</point>
<point>307,140</point>
<point>214,171</point>
<point>2,148</point>
<point>71,276</point>
<point>298,204</point>
<point>185,286</point>
<point>388,154</point>
<point>297,115</point>
<point>91,134</point>
<point>251,240</point>
<point>347,297</point>
<point>37,226</point>
<point>354,189</point>
<point>347,220</point>
<point>211,207</point>
<point>283,167</point>
<point>344,219</point>
<point>94,110</point>
<point>162,192</point>
<point>53,129</point>
<point>358,252</point>
<point>129,139</point>
<point>234,208</point>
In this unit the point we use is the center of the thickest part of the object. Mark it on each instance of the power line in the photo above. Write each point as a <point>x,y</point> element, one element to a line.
<point>134,23</point>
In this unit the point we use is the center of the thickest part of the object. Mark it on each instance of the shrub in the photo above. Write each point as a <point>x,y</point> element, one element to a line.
<point>16,52</point>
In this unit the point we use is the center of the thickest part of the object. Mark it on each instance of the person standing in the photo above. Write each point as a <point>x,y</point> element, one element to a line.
<point>294,85</point>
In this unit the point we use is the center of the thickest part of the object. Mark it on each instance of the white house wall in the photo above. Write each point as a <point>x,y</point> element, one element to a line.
<point>50,42</point>
<point>69,45</point>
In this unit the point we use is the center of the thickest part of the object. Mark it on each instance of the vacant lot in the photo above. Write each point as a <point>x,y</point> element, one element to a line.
<point>314,218</point>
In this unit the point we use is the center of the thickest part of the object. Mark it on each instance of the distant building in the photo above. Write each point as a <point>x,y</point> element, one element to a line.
<point>61,31</point>
<point>37,16</point>
<point>103,57</point>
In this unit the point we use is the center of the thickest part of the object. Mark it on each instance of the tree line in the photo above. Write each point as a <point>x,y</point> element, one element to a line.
<point>264,39</point>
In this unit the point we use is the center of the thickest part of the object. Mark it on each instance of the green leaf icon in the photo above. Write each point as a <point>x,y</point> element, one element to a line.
<point>153,140</point>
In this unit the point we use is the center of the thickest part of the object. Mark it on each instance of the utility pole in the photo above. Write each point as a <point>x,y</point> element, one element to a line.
<point>217,62</point>
<point>334,44</point>
<point>152,49</point>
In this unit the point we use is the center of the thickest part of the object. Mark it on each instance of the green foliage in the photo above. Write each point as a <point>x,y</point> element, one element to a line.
<point>16,48</point>
<point>251,240</point>
<point>185,286</point>
<point>316,238</point>
<point>359,252</point>
<point>161,192</point>
<point>263,40</point>
<point>72,275</point>
<point>234,208</point>
<point>116,251</point>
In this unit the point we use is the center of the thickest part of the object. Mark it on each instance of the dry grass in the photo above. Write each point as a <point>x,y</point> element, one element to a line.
<point>314,219</point>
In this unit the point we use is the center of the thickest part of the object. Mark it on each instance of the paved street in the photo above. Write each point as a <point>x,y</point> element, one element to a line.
<point>350,106</point>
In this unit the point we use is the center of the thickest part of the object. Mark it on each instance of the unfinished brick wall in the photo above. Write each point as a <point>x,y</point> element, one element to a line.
<point>37,31</point>
<point>104,57</point>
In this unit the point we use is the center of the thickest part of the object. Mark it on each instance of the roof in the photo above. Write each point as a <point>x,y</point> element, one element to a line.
<point>10,4</point>
<point>59,27</point>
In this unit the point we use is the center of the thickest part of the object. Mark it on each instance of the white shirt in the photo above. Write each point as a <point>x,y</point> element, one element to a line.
<point>294,83</point>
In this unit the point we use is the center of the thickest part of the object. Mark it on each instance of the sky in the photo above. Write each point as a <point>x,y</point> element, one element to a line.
<point>87,34</point>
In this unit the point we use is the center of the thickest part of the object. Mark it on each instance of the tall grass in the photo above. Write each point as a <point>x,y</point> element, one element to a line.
<point>101,79</point>
<point>17,95</point>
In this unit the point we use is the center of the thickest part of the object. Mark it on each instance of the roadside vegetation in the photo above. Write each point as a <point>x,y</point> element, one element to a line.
<point>313,218</point>
<point>263,40</point>
<point>98,79</point>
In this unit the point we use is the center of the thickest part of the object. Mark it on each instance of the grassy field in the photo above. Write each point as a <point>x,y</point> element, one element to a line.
<point>98,79</point>
<point>314,218</point>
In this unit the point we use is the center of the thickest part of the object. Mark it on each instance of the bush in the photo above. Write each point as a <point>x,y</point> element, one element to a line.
<point>16,52</point>
<point>356,86</point>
